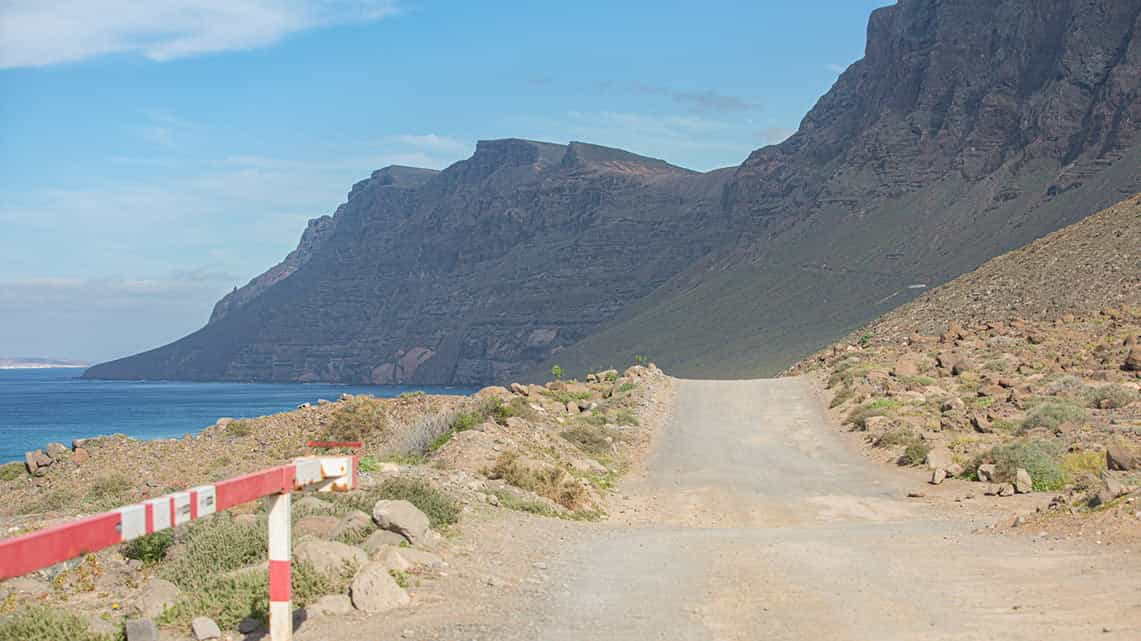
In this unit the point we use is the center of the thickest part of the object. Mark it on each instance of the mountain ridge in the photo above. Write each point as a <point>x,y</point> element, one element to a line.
<point>967,130</point>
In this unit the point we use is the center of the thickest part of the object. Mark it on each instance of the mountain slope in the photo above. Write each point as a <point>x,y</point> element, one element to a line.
<point>970,128</point>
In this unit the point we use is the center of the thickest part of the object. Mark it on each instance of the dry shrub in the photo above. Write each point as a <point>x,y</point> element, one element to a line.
<point>542,479</point>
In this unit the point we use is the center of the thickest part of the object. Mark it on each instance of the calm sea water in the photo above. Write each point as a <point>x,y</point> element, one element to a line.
<point>38,406</point>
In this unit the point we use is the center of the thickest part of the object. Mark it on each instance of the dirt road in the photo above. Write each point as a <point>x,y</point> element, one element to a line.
<point>754,519</point>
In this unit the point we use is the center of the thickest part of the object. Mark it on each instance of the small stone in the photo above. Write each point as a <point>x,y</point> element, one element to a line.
<point>1005,489</point>
<point>954,470</point>
<point>938,475</point>
<point>987,472</point>
<point>329,557</point>
<point>915,495</point>
<point>57,451</point>
<point>204,628</point>
<point>141,630</point>
<point>248,625</point>
<point>1117,457</point>
<point>355,521</point>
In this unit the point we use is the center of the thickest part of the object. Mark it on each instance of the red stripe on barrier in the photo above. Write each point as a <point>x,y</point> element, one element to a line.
<point>333,444</point>
<point>172,521</point>
<point>149,517</point>
<point>279,580</point>
<point>193,505</point>
<point>46,547</point>
<point>244,489</point>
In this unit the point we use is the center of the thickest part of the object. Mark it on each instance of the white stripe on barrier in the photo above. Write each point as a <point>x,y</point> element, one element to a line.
<point>181,507</point>
<point>205,499</point>
<point>308,471</point>
<point>133,519</point>
<point>335,467</point>
<point>160,513</point>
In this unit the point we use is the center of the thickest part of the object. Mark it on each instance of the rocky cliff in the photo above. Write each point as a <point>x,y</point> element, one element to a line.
<point>969,128</point>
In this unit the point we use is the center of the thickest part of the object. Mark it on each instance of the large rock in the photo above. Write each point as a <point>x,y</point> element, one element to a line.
<point>321,527</point>
<point>1118,457</point>
<point>355,522</point>
<point>330,557</point>
<point>1132,360</point>
<point>141,630</point>
<point>1022,482</point>
<point>381,539</point>
<point>331,605</point>
<point>401,517</point>
<point>987,473</point>
<point>57,451</point>
<point>398,558</point>
<point>374,590</point>
<point>939,457</point>
<point>35,461</point>
<point>155,597</point>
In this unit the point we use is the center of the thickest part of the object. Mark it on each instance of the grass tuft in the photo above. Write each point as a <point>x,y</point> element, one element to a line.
<point>1042,459</point>
<point>49,624</point>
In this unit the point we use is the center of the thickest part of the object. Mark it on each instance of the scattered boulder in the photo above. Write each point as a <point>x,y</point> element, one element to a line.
<point>380,539</point>
<point>987,472</point>
<point>155,597</point>
<point>141,630</point>
<point>981,424</point>
<point>35,461</point>
<point>1132,360</point>
<point>1111,488</point>
<point>204,628</point>
<point>57,451</point>
<point>1117,457</point>
<point>496,391</point>
<point>1022,482</point>
<point>398,558</point>
<point>401,517</point>
<point>520,389</point>
<point>877,424</point>
<point>80,456</point>
<point>331,605</point>
<point>329,557</point>
<point>312,503</point>
<point>248,625</point>
<point>954,470</point>
<point>572,407</point>
<point>374,590</point>
<point>938,475</point>
<point>953,404</point>
<point>1005,489</point>
<point>355,521</point>
<point>939,457</point>
<point>321,527</point>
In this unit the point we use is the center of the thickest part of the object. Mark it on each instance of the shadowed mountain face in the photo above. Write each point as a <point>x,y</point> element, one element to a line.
<point>970,127</point>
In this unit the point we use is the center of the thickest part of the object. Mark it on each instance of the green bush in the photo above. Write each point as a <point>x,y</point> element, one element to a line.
<point>915,454</point>
<point>511,501</point>
<point>49,624</point>
<point>1114,396</point>
<point>356,419</point>
<point>239,428</point>
<point>442,510</point>
<point>414,394</point>
<point>628,386</point>
<point>625,417</point>
<point>591,438</point>
<point>897,437</point>
<point>557,372</point>
<point>1052,413</point>
<point>232,597</point>
<point>368,464</point>
<point>880,407</point>
<point>12,471</point>
<point>1042,459</point>
<point>214,546</point>
<point>109,491</point>
<point>149,549</point>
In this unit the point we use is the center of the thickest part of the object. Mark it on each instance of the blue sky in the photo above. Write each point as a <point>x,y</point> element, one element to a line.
<point>155,155</point>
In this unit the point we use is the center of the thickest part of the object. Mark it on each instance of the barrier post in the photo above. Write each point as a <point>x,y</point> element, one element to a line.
<point>280,567</point>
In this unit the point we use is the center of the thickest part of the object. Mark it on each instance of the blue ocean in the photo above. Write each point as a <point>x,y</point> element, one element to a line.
<point>38,406</point>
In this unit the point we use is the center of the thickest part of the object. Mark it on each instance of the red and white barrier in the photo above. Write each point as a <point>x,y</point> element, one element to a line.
<point>43,548</point>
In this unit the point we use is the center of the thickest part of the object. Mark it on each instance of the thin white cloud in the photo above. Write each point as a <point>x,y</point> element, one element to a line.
<point>37,33</point>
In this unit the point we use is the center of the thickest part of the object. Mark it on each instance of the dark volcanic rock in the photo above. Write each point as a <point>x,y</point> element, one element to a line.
<point>970,128</point>
<point>460,276</point>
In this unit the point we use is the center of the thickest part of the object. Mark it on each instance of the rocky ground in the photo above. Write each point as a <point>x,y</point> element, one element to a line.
<point>433,470</point>
<point>1022,376</point>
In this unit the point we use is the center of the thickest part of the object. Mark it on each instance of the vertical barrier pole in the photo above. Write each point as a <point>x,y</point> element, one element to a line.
<point>280,561</point>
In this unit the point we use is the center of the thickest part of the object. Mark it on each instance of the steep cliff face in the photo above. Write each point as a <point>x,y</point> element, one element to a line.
<point>461,276</point>
<point>969,128</point>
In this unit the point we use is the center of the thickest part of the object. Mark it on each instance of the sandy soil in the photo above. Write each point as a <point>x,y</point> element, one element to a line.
<point>754,518</point>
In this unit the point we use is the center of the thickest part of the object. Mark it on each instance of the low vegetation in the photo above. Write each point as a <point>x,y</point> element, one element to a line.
<point>149,549</point>
<point>1041,458</point>
<point>356,419</point>
<point>49,624</point>
<point>859,416</point>
<point>442,510</point>
<point>545,480</point>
